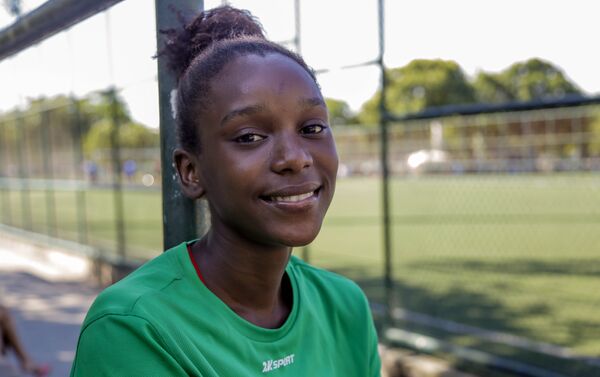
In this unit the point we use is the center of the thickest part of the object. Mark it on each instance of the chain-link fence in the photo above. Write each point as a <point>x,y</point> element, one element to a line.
<point>63,175</point>
<point>75,165</point>
<point>495,228</point>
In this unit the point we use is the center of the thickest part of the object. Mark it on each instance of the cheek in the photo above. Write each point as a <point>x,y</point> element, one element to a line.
<point>329,159</point>
<point>231,170</point>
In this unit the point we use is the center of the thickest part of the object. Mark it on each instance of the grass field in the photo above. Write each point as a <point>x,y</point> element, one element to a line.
<point>518,254</point>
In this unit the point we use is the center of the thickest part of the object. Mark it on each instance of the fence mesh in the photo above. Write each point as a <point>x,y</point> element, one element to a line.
<point>496,227</point>
<point>74,163</point>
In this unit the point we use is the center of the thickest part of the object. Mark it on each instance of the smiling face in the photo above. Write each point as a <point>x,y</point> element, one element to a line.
<point>268,162</point>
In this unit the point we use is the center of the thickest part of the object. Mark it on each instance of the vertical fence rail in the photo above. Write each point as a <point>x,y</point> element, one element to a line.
<point>298,46</point>
<point>5,185</point>
<point>23,174</point>
<point>385,194</point>
<point>179,212</point>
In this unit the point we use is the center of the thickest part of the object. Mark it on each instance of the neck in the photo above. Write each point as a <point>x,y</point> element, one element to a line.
<point>247,277</point>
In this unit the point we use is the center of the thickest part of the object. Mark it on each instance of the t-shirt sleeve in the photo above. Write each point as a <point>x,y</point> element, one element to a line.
<point>374,360</point>
<point>123,345</point>
<point>372,344</point>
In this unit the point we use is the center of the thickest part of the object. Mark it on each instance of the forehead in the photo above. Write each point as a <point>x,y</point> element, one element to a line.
<point>251,76</point>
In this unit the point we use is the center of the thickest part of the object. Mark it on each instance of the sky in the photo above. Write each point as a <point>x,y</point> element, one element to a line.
<point>116,47</point>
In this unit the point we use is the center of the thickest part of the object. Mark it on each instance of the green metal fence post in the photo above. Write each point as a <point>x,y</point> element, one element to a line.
<point>298,47</point>
<point>383,126</point>
<point>51,17</point>
<point>4,186</point>
<point>179,218</point>
<point>23,178</point>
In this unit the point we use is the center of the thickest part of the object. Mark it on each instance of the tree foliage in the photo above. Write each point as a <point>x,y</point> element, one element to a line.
<point>131,135</point>
<point>419,85</point>
<point>64,117</point>
<point>524,81</point>
<point>114,113</point>
<point>67,119</point>
<point>339,112</point>
<point>430,83</point>
<point>490,88</point>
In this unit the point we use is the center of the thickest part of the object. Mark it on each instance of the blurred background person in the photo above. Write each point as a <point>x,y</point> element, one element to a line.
<point>9,340</point>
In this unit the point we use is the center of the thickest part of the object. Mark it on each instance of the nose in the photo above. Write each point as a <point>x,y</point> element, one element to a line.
<point>290,155</point>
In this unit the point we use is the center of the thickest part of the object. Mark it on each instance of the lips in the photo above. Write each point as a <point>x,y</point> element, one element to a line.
<point>293,194</point>
<point>292,198</point>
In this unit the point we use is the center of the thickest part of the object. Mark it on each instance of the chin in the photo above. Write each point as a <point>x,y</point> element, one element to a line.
<point>301,243</point>
<point>300,239</point>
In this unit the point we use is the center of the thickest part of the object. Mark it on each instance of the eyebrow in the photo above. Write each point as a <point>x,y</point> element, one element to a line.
<point>258,108</point>
<point>312,102</point>
<point>243,112</point>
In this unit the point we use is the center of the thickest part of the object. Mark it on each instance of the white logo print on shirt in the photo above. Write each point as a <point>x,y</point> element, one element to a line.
<point>271,365</point>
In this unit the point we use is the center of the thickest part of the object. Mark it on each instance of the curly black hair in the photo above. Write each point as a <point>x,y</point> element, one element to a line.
<point>197,53</point>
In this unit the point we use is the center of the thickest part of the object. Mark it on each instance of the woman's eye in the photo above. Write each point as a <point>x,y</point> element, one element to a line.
<point>312,129</point>
<point>248,138</point>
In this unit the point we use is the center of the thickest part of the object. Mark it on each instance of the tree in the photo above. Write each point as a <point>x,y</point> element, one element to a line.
<point>524,81</point>
<point>131,135</point>
<point>339,112</point>
<point>419,85</point>
<point>111,108</point>
<point>65,115</point>
<point>46,125</point>
<point>62,120</point>
<point>489,88</point>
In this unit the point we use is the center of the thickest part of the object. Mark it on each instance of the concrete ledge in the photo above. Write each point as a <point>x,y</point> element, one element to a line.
<point>59,260</point>
<point>396,362</point>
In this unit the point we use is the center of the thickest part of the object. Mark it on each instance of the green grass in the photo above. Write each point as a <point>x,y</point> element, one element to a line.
<point>517,254</point>
<point>142,209</point>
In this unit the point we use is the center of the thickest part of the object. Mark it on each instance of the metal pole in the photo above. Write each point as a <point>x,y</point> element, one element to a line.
<point>179,218</point>
<point>383,127</point>
<point>297,39</point>
<point>25,195</point>
<point>4,186</point>
<point>48,19</point>
<point>298,48</point>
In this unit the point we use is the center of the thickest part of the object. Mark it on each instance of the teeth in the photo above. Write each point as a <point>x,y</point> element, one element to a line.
<point>292,198</point>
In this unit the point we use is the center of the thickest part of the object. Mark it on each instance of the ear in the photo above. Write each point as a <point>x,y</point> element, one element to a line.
<point>188,170</point>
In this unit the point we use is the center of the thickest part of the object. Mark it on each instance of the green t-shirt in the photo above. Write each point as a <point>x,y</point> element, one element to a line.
<point>162,321</point>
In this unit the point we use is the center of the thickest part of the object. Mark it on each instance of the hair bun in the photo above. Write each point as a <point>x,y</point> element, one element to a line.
<point>222,23</point>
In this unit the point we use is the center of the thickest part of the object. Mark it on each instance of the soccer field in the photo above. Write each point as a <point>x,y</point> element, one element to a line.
<point>517,254</point>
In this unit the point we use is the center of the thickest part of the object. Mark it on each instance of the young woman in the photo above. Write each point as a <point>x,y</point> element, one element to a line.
<point>255,142</point>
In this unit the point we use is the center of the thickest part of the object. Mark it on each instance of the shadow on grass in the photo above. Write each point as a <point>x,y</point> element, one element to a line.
<point>579,267</point>
<point>462,305</point>
<point>577,331</point>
